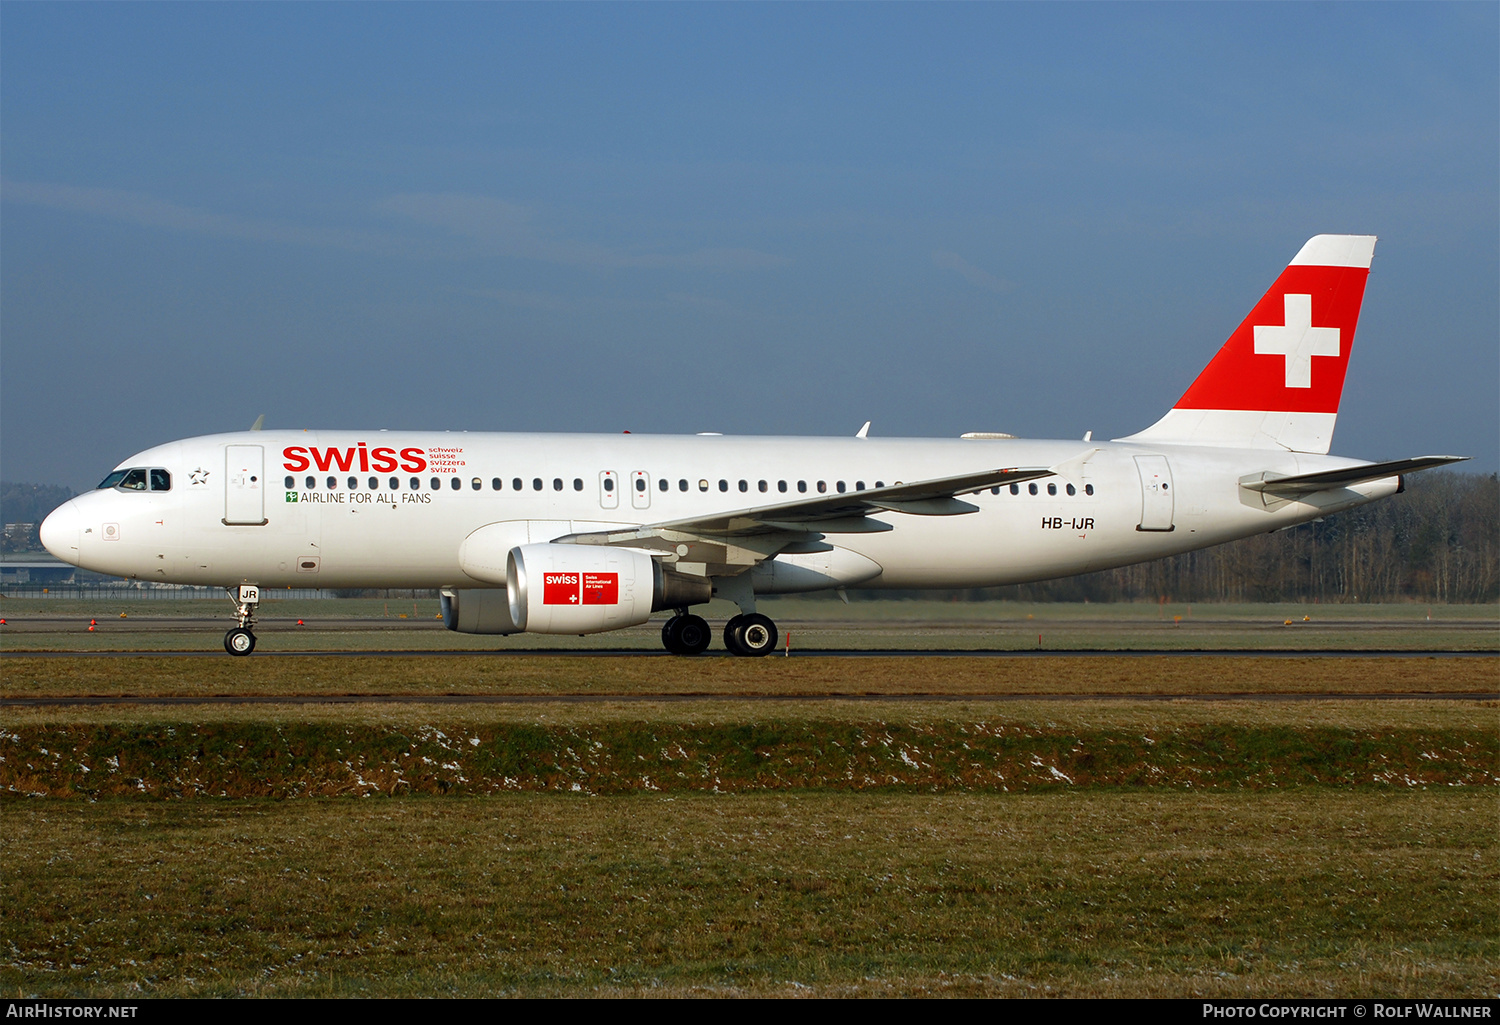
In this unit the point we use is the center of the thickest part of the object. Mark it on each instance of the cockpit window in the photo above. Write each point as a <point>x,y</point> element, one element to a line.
<point>138,478</point>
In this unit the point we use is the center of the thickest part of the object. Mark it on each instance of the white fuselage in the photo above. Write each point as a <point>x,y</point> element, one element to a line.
<point>365,520</point>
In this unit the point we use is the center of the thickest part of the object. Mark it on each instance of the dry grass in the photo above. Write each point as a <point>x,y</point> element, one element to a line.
<point>1105,894</point>
<point>33,677</point>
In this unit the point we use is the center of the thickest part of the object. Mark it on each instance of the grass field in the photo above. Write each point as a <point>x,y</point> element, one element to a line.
<point>1090,893</point>
<point>368,624</point>
<point>663,826</point>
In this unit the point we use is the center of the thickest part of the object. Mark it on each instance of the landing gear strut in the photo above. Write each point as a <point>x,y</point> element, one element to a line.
<point>686,634</point>
<point>240,641</point>
<point>751,634</point>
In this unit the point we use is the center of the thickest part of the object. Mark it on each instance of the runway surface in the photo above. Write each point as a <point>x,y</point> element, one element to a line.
<point>802,653</point>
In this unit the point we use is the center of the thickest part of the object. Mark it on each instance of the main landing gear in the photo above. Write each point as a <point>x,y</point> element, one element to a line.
<point>749,635</point>
<point>240,641</point>
<point>684,634</point>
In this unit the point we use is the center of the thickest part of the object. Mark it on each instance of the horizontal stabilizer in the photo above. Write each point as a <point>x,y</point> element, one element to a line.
<point>1327,480</point>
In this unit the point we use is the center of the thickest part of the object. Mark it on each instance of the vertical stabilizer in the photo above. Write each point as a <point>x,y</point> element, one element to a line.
<point>1277,381</point>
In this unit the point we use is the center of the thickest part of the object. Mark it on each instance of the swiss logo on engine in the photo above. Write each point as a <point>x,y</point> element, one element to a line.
<point>580,588</point>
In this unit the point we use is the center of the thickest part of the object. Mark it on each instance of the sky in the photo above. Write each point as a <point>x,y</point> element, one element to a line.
<point>746,218</point>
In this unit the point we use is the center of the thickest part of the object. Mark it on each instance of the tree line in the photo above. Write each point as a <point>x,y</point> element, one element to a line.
<point>1437,542</point>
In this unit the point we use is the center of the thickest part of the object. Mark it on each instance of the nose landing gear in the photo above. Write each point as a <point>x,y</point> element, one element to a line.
<point>240,641</point>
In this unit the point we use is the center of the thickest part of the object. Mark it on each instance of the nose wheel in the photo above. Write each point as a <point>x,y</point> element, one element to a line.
<point>751,635</point>
<point>239,641</point>
<point>686,635</point>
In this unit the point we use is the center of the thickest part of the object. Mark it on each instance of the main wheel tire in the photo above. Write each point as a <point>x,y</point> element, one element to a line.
<point>669,635</point>
<point>732,636</point>
<point>239,641</point>
<point>693,635</point>
<point>757,635</point>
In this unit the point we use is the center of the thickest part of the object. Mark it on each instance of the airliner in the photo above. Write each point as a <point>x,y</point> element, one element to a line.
<point>583,533</point>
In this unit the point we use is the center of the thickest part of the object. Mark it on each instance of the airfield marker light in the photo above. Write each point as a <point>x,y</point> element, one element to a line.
<point>93,622</point>
<point>91,629</point>
<point>122,615</point>
<point>300,623</point>
<point>2,622</point>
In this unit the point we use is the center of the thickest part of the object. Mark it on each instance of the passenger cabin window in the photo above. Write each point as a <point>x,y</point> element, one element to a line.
<point>290,482</point>
<point>802,486</point>
<point>762,485</point>
<point>495,484</point>
<point>703,485</point>
<point>476,483</point>
<point>781,486</point>
<point>416,483</point>
<point>859,485</point>
<point>661,484</point>
<point>333,482</point>
<point>1031,488</point>
<point>1072,490</point>
<point>640,483</point>
<point>516,484</point>
<point>435,482</point>
<point>744,485</point>
<point>455,483</point>
<point>556,483</point>
<point>577,483</point>
<point>536,484</point>
<point>822,486</point>
<point>374,483</point>
<point>682,485</point>
<point>396,483</point>
<point>1015,489</point>
<point>840,486</point>
<point>723,485</point>
<point>609,484</point>
<point>1051,489</point>
<point>1088,489</point>
<point>354,483</point>
<point>311,482</point>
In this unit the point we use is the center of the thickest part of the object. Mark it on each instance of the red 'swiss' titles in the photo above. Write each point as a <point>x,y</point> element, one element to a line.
<point>580,588</point>
<point>381,460</point>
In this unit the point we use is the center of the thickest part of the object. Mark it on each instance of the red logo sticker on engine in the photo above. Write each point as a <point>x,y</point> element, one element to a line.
<point>601,588</point>
<point>560,588</point>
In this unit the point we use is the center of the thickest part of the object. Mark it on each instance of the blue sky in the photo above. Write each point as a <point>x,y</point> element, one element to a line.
<point>749,218</point>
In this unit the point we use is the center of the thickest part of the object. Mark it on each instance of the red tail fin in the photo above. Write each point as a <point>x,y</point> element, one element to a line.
<point>1276,383</point>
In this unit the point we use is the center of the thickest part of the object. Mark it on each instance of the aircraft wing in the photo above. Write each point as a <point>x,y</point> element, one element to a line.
<point>743,537</point>
<point>1327,480</point>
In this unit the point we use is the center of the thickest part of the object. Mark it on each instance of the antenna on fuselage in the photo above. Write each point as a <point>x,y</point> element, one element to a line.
<point>260,422</point>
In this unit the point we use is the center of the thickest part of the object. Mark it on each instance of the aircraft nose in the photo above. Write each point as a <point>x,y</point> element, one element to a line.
<point>60,531</point>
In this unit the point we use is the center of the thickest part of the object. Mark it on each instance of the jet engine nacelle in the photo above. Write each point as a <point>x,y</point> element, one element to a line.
<point>583,589</point>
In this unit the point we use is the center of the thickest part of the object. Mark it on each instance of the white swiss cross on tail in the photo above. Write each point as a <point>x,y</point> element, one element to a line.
<point>1298,340</point>
<point>1246,397</point>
